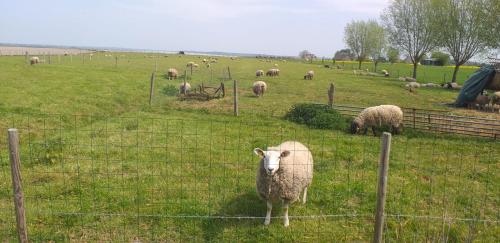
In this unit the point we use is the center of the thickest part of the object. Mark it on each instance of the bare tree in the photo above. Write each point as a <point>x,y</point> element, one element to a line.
<point>464,29</point>
<point>304,54</point>
<point>409,28</point>
<point>356,38</point>
<point>377,42</point>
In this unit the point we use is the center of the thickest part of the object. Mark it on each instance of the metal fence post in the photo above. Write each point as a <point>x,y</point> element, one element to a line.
<point>331,92</point>
<point>15,162</point>
<point>382,186</point>
<point>151,88</point>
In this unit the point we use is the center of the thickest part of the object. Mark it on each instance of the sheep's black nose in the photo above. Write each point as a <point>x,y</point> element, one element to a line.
<point>270,170</point>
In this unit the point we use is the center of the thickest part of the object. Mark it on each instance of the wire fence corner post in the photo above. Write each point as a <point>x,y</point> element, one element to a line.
<point>151,88</point>
<point>331,93</point>
<point>382,186</point>
<point>15,162</point>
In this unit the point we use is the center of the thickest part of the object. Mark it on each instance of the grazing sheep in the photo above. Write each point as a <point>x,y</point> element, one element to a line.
<point>189,64</point>
<point>259,73</point>
<point>480,102</point>
<point>326,66</point>
<point>309,75</point>
<point>213,61</point>
<point>184,89</point>
<point>34,60</point>
<point>204,60</point>
<point>172,73</point>
<point>430,85</point>
<point>408,79</point>
<point>195,65</point>
<point>385,73</point>
<point>284,172</point>
<point>451,85</point>
<point>276,64</point>
<point>378,116</point>
<point>259,87</point>
<point>412,85</point>
<point>273,72</point>
<point>495,98</point>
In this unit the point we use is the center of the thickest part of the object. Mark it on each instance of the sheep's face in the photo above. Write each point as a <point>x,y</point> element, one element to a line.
<point>271,159</point>
<point>354,127</point>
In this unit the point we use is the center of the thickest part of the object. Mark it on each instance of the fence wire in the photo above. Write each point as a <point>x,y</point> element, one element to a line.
<point>89,178</point>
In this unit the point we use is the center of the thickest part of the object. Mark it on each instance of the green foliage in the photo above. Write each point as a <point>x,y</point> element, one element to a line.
<point>317,116</point>
<point>170,90</point>
<point>443,58</point>
<point>393,55</point>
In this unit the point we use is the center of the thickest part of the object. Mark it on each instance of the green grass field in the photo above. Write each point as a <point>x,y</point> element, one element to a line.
<point>100,164</point>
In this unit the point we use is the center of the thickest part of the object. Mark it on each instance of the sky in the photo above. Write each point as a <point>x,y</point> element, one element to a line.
<point>275,27</point>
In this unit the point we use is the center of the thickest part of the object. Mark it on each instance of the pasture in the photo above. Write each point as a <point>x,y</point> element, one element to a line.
<point>100,163</point>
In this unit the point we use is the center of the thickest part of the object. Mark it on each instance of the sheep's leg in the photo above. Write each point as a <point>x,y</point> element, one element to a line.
<point>285,213</point>
<point>373,130</point>
<point>268,214</point>
<point>304,196</point>
<point>366,131</point>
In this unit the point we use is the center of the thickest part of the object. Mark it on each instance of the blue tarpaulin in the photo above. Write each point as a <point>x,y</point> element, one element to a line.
<point>475,84</point>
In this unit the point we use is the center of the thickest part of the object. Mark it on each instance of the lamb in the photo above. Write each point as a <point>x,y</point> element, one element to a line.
<point>259,73</point>
<point>309,75</point>
<point>184,89</point>
<point>284,172</point>
<point>172,73</point>
<point>34,60</point>
<point>376,116</point>
<point>259,87</point>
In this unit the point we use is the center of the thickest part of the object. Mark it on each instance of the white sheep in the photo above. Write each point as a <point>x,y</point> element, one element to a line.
<point>172,73</point>
<point>385,73</point>
<point>273,72</point>
<point>430,85</point>
<point>189,64</point>
<point>195,65</point>
<point>34,60</point>
<point>184,89</point>
<point>276,64</point>
<point>284,172</point>
<point>309,75</point>
<point>377,116</point>
<point>259,87</point>
<point>412,85</point>
<point>259,73</point>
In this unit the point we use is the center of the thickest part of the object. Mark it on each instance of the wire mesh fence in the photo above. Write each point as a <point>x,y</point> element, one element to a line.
<point>88,178</point>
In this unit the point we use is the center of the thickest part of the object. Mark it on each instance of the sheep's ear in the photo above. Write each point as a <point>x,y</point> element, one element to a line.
<point>259,152</point>
<point>284,153</point>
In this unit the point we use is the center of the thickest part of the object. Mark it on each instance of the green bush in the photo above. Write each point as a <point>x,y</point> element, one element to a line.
<point>317,116</point>
<point>170,90</point>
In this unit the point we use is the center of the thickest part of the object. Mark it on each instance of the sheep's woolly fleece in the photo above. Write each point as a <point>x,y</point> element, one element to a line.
<point>294,174</point>
<point>379,115</point>
<point>259,87</point>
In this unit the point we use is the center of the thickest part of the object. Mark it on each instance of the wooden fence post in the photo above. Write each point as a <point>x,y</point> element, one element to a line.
<point>156,65</point>
<point>116,61</point>
<point>26,57</point>
<point>151,88</point>
<point>229,73</point>
<point>235,92</point>
<point>15,162</point>
<point>223,89</point>
<point>184,89</point>
<point>382,186</point>
<point>331,92</point>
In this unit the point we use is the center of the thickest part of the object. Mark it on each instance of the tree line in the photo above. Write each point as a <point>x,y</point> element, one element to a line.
<point>461,28</point>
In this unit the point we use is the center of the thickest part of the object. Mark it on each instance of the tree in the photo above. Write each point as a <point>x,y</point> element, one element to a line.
<point>409,28</point>
<point>392,55</point>
<point>443,58</point>
<point>376,42</point>
<point>304,54</point>
<point>344,54</point>
<point>465,29</point>
<point>356,37</point>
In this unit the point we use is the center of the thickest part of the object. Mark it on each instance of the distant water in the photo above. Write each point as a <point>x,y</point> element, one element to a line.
<point>117,49</point>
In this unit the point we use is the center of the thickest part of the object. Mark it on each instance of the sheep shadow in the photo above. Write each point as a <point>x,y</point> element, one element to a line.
<point>244,205</point>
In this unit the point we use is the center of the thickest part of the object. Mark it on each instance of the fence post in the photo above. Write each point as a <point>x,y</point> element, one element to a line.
<point>184,89</point>
<point>229,73</point>
<point>382,186</point>
<point>223,89</point>
<point>331,92</point>
<point>26,57</point>
<point>116,61</point>
<point>156,65</point>
<point>22,231</point>
<point>235,92</point>
<point>151,88</point>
